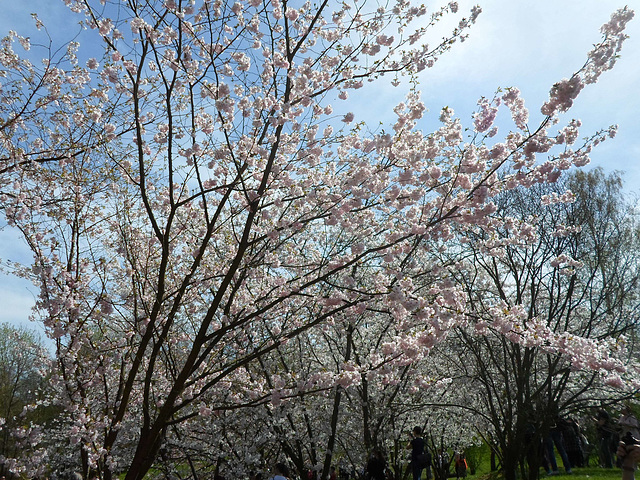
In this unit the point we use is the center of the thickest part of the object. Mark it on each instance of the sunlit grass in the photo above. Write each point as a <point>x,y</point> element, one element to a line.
<point>592,472</point>
<point>589,473</point>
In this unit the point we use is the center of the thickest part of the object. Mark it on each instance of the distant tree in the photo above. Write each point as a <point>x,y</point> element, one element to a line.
<point>568,271</point>
<point>24,362</point>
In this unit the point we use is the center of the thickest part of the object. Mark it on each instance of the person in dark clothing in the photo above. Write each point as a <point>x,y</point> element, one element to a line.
<point>460,464</point>
<point>533,448</point>
<point>606,439</point>
<point>419,455</point>
<point>343,473</point>
<point>554,438</point>
<point>376,466</point>
<point>572,441</point>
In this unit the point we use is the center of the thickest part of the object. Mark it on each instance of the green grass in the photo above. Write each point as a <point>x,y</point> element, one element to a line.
<point>588,473</point>
<point>597,473</point>
<point>481,456</point>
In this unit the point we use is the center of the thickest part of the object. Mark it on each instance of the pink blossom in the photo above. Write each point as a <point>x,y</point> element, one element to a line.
<point>515,103</point>
<point>614,381</point>
<point>237,8</point>
<point>25,42</point>
<point>105,26</point>
<point>138,24</point>
<point>562,95</point>
<point>348,118</point>
<point>204,410</point>
<point>371,49</point>
<point>291,13</point>
<point>228,211</point>
<point>384,40</point>
<point>223,90</point>
<point>486,116</point>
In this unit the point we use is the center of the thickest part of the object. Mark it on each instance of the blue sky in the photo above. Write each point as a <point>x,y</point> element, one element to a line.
<point>521,43</point>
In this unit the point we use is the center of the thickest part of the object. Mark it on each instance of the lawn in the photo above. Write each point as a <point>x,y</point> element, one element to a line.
<point>480,455</point>
<point>589,473</point>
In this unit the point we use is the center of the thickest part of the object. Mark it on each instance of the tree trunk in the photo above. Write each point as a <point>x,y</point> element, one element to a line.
<point>146,452</point>
<point>336,412</point>
<point>510,467</point>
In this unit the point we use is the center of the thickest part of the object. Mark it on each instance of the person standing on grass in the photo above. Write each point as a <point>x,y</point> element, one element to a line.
<point>606,432</point>
<point>554,438</point>
<point>460,464</point>
<point>376,466</point>
<point>572,441</point>
<point>419,460</point>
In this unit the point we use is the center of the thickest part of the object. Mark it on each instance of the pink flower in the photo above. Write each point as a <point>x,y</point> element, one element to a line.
<point>237,8</point>
<point>26,44</point>
<point>105,26</point>
<point>138,24</point>
<point>292,14</point>
<point>562,95</point>
<point>204,410</point>
<point>348,118</point>
<point>486,116</point>
<point>614,381</point>
<point>384,40</point>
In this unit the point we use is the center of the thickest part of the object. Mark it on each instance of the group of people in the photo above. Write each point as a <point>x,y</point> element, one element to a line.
<point>421,458</point>
<point>377,468</point>
<point>565,437</point>
<point>619,440</point>
<point>609,434</point>
<point>628,451</point>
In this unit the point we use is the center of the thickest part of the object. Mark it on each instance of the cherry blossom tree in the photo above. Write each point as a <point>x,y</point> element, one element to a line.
<point>193,202</point>
<point>575,278</point>
<point>319,423</point>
